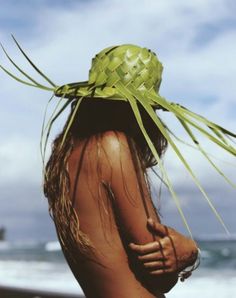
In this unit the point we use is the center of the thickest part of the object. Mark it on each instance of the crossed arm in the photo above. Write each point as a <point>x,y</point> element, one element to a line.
<point>162,251</point>
<point>178,251</point>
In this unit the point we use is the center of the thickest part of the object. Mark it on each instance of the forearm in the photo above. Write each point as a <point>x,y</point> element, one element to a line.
<point>163,259</point>
<point>162,283</point>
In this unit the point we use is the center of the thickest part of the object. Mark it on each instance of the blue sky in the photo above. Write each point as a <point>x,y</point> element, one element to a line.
<point>196,42</point>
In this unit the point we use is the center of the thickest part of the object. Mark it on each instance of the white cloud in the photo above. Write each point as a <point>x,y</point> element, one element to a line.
<point>20,160</point>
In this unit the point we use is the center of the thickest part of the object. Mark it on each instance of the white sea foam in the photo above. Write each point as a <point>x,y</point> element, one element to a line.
<point>38,275</point>
<point>205,254</point>
<point>4,245</point>
<point>207,286</point>
<point>52,246</point>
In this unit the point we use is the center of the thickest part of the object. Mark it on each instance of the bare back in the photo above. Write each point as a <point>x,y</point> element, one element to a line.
<point>111,275</point>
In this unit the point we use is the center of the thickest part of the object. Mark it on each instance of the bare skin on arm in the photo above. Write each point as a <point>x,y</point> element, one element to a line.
<point>111,223</point>
<point>179,250</point>
<point>133,205</point>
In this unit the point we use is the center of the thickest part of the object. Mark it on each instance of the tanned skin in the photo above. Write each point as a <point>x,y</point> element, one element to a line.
<point>113,223</point>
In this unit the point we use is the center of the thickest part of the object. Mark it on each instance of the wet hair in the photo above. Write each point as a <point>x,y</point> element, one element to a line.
<point>94,117</point>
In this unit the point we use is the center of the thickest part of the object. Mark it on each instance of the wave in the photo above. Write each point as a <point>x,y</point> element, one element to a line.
<point>4,245</point>
<point>207,286</point>
<point>52,246</point>
<point>216,237</point>
<point>26,245</point>
<point>38,275</point>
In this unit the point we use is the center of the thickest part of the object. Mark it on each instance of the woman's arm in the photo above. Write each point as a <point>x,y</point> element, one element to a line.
<point>180,251</point>
<point>131,208</point>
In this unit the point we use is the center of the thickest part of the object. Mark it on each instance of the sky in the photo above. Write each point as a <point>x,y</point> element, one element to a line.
<point>195,41</point>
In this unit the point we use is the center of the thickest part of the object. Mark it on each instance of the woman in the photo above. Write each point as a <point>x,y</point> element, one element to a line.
<point>103,166</point>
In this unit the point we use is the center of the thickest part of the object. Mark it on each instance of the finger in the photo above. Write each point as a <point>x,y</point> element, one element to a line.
<point>156,265</point>
<point>157,227</point>
<point>160,271</point>
<point>145,248</point>
<point>165,243</point>
<point>174,250</point>
<point>168,249</point>
<point>156,256</point>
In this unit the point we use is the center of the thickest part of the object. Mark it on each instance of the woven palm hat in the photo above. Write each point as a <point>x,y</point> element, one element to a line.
<point>127,65</point>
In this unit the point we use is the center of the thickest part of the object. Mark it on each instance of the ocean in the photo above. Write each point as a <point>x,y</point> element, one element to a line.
<point>42,266</point>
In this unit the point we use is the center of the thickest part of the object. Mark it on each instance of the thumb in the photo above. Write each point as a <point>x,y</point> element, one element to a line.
<point>157,227</point>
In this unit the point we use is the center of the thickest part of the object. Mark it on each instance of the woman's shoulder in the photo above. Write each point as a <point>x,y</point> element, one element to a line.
<point>106,149</point>
<point>114,141</point>
<point>110,138</point>
<point>114,154</point>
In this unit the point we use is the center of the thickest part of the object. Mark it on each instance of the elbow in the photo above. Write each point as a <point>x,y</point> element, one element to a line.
<point>166,289</point>
<point>171,282</point>
<point>166,282</point>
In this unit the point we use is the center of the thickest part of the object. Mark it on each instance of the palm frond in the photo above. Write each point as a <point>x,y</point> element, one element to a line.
<point>47,133</point>
<point>33,65</point>
<point>25,74</point>
<point>71,120</point>
<point>137,115</point>
<point>42,133</point>
<point>16,78</point>
<point>196,148</point>
<point>179,111</point>
<point>157,121</point>
<point>190,133</point>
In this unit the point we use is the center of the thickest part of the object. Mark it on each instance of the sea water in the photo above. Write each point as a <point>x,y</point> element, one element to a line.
<point>42,266</point>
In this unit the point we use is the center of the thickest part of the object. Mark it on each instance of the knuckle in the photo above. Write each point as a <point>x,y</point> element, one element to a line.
<point>165,242</point>
<point>168,254</point>
<point>156,245</point>
<point>162,244</point>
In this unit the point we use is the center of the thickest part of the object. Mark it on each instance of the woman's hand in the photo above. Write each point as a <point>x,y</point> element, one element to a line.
<point>172,252</point>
